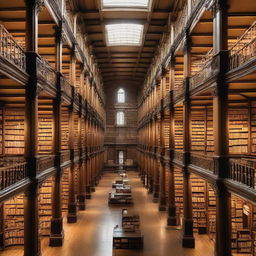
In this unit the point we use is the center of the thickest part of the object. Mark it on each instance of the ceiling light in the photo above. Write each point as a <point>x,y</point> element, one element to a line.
<point>124,34</point>
<point>125,3</point>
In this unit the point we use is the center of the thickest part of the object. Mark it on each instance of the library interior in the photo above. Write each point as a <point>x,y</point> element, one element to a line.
<point>128,127</point>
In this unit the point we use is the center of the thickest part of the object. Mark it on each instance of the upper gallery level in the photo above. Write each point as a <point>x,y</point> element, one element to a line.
<point>63,52</point>
<point>194,32</point>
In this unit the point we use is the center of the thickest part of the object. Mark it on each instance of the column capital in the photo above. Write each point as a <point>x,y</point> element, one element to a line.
<point>219,5</point>
<point>187,41</point>
<point>37,4</point>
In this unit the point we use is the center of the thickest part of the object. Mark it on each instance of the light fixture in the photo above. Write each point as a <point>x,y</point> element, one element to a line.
<point>125,3</point>
<point>124,34</point>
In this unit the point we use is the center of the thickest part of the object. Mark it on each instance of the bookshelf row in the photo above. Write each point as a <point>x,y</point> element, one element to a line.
<point>12,131</point>
<point>241,130</point>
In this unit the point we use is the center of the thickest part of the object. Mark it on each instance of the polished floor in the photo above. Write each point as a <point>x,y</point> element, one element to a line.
<point>92,234</point>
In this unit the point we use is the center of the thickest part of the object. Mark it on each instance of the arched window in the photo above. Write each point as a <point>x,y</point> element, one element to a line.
<point>120,118</point>
<point>120,96</point>
<point>121,157</point>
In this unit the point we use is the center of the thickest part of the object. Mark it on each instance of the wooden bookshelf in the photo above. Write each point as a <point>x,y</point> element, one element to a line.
<point>45,206</point>
<point>178,176</point>
<point>45,133</point>
<point>75,131</point>
<point>64,129</point>
<point>199,204</point>
<point>167,183</point>
<point>254,243</point>
<point>198,128</point>
<point>1,131</point>
<point>209,132</point>
<point>238,130</point>
<point>13,131</point>
<point>178,134</point>
<point>166,130</point>
<point>253,127</point>
<point>244,241</point>
<point>211,212</point>
<point>65,189</point>
<point>14,221</point>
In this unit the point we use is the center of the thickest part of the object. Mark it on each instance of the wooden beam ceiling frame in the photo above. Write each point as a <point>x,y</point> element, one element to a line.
<point>146,27</point>
<point>98,3</point>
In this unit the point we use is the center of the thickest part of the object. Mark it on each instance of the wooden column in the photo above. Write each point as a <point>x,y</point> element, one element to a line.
<point>56,235</point>
<point>88,158</point>
<point>220,130</point>
<point>81,185</point>
<point>172,218</point>
<point>31,222</point>
<point>188,240</point>
<point>72,207</point>
<point>156,172</point>
<point>2,226</point>
<point>162,194</point>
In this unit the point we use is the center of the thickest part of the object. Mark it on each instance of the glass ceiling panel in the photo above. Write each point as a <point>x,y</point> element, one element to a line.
<point>126,3</point>
<point>124,34</point>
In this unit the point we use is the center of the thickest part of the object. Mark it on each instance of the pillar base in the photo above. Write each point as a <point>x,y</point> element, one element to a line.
<point>162,208</point>
<point>172,218</point>
<point>188,242</point>
<point>81,202</point>
<point>71,218</point>
<point>171,221</point>
<point>155,199</point>
<point>162,204</point>
<point>88,196</point>
<point>88,192</point>
<point>56,240</point>
<point>150,190</point>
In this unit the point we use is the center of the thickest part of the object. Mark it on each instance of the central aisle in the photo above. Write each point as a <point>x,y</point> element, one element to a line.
<point>92,234</point>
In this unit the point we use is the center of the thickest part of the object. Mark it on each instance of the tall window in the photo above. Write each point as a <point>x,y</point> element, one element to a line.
<point>120,96</point>
<point>121,157</point>
<point>120,118</point>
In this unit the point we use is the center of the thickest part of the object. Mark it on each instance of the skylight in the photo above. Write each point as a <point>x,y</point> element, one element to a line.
<point>125,3</point>
<point>124,34</point>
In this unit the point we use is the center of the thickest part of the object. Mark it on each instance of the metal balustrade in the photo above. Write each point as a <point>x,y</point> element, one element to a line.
<point>46,72</point>
<point>202,161</point>
<point>45,162</point>
<point>11,50</point>
<point>243,171</point>
<point>9,175</point>
<point>65,156</point>
<point>244,49</point>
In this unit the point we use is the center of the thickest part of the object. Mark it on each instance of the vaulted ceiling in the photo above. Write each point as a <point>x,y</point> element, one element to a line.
<point>124,62</point>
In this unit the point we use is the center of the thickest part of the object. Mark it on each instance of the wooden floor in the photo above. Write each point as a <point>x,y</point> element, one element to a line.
<point>92,234</point>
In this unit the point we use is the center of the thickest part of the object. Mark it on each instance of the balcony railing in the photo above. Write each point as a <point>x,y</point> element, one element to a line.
<point>178,90</point>
<point>11,174</point>
<point>46,72</point>
<point>210,68</point>
<point>45,162</point>
<point>66,87</point>
<point>181,20</point>
<point>243,171</point>
<point>244,49</point>
<point>65,156</point>
<point>178,155</point>
<point>10,49</point>
<point>202,161</point>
